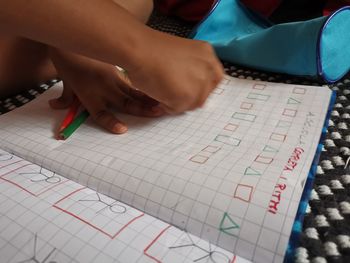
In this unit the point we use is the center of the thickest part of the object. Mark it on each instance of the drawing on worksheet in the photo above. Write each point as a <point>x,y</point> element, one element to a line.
<point>244,116</point>
<point>244,192</point>
<point>219,182</point>
<point>31,178</point>
<point>7,160</point>
<point>209,253</point>
<point>113,206</point>
<point>228,140</point>
<point>40,176</point>
<point>246,106</point>
<point>228,225</point>
<point>35,257</point>
<point>299,90</point>
<point>259,86</point>
<point>205,154</point>
<point>100,212</point>
<point>292,100</point>
<point>174,245</point>
<point>258,96</point>
<point>5,157</point>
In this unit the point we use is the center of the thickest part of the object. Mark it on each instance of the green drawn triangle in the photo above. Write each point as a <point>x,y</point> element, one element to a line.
<point>251,171</point>
<point>227,224</point>
<point>270,149</point>
<point>293,101</point>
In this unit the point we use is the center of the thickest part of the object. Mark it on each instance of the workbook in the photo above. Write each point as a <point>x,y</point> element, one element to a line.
<point>219,184</point>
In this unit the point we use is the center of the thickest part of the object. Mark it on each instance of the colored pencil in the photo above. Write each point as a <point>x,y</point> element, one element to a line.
<point>71,128</point>
<point>70,114</point>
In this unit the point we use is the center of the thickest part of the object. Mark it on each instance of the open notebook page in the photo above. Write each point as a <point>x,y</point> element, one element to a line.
<point>231,173</point>
<point>48,218</point>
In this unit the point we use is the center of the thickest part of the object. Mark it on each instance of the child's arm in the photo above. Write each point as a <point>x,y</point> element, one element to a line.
<point>101,89</point>
<point>177,72</point>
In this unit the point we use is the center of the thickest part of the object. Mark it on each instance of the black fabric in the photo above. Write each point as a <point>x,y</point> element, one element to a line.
<point>297,10</point>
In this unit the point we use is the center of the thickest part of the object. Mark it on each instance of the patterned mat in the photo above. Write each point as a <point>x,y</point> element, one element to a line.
<point>326,228</point>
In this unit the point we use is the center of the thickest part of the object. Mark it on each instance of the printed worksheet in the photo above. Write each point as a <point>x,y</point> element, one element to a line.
<point>231,173</point>
<point>46,218</point>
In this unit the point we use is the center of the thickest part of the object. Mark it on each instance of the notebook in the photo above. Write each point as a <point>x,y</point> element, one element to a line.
<point>220,184</point>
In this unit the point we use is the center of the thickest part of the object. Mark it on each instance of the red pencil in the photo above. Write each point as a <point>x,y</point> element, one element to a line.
<point>70,114</point>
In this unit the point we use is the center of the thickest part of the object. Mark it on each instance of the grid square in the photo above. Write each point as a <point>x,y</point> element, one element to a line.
<point>250,232</point>
<point>263,255</point>
<point>255,214</point>
<point>228,140</point>
<point>284,124</point>
<point>268,239</point>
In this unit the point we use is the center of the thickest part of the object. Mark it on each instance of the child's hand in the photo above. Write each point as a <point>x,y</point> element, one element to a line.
<point>100,88</point>
<point>177,72</point>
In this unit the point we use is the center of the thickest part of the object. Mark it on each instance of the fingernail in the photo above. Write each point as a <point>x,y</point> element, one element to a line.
<point>119,128</point>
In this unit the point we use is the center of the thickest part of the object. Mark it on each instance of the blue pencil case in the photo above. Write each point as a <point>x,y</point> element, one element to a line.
<point>316,47</point>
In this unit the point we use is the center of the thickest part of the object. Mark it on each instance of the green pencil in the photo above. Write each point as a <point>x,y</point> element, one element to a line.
<point>64,134</point>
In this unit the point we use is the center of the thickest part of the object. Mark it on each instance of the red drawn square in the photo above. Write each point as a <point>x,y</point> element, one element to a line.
<point>211,149</point>
<point>100,212</point>
<point>290,112</point>
<point>231,127</point>
<point>31,180</point>
<point>161,248</point>
<point>199,159</point>
<point>259,86</point>
<point>246,105</point>
<point>263,159</point>
<point>278,137</point>
<point>244,192</point>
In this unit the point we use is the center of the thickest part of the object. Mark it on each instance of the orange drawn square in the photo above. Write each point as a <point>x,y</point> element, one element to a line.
<point>290,112</point>
<point>278,137</point>
<point>259,86</point>
<point>263,159</point>
<point>231,127</point>
<point>246,105</point>
<point>211,149</point>
<point>244,192</point>
<point>199,159</point>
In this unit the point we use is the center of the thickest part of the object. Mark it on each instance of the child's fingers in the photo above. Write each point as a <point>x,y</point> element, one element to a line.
<point>139,96</point>
<point>126,87</point>
<point>138,108</point>
<point>64,101</point>
<point>107,120</point>
<point>167,109</point>
<point>135,107</point>
<point>102,116</point>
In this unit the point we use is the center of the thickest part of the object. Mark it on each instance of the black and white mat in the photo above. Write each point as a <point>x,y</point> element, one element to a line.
<point>326,228</point>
